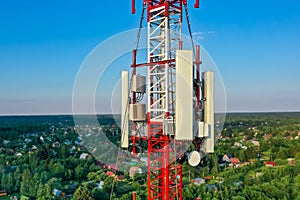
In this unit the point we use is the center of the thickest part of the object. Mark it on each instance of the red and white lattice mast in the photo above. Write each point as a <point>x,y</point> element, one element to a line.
<point>179,107</point>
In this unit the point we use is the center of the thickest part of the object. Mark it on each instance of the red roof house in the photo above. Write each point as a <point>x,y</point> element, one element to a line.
<point>270,164</point>
<point>109,173</point>
<point>267,136</point>
<point>291,161</point>
<point>235,161</point>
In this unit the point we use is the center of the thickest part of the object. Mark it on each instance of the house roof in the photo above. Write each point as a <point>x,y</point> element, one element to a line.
<point>5,142</point>
<point>235,160</point>
<point>113,166</point>
<point>267,136</point>
<point>271,163</point>
<point>121,177</point>
<point>56,192</point>
<point>133,170</point>
<point>2,191</point>
<point>198,179</point>
<point>109,173</point>
<point>83,156</point>
<point>208,177</point>
<point>228,155</point>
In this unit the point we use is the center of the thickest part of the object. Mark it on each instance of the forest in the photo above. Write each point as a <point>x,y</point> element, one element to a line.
<point>257,156</point>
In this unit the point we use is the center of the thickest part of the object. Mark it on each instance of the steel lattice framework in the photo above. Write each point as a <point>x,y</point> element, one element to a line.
<point>164,34</point>
<point>164,21</point>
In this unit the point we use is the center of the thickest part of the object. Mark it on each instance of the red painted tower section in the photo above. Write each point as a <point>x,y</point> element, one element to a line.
<point>164,19</point>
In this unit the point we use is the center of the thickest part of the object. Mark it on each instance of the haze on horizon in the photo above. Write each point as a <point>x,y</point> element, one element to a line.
<point>255,45</point>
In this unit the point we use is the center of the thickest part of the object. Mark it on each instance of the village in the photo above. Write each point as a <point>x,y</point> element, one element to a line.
<point>60,160</point>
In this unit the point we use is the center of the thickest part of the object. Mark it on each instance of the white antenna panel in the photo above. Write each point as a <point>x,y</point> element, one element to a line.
<point>200,129</point>
<point>209,111</point>
<point>138,84</point>
<point>184,95</point>
<point>125,104</point>
<point>137,112</point>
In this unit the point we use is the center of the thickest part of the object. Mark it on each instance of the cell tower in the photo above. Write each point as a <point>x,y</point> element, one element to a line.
<point>179,108</point>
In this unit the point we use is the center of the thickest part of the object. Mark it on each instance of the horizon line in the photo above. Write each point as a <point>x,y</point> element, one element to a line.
<point>76,114</point>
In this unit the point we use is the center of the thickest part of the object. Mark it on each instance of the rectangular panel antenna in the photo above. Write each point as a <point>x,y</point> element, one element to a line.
<point>184,95</point>
<point>138,84</point>
<point>137,112</point>
<point>125,105</point>
<point>200,129</point>
<point>209,111</point>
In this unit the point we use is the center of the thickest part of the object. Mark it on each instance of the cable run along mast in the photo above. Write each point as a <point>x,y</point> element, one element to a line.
<point>180,108</point>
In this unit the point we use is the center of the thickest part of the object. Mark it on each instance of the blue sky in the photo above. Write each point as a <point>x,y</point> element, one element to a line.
<point>255,44</point>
